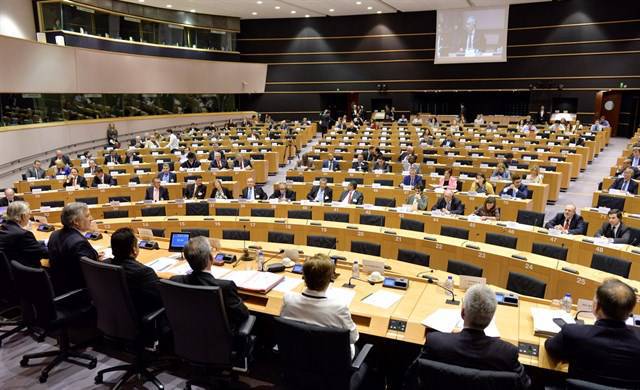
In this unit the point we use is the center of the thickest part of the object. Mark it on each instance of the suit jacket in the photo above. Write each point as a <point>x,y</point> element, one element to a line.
<point>212,155</point>
<point>336,165</point>
<point>360,166</point>
<point>164,193</point>
<point>31,172</point>
<point>457,207</point>
<point>576,226</point>
<point>4,202</point>
<point>226,192</point>
<point>544,118</point>
<point>65,159</point>
<point>416,182</point>
<point>602,353</point>
<point>258,193</point>
<point>623,235</point>
<point>384,167</point>
<point>106,179</point>
<point>223,164</point>
<point>66,247</point>
<point>201,192</point>
<point>143,285</point>
<point>521,193</point>
<point>236,310</point>
<point>471,348</point>
<point>80,181</point>
<point>245,161</point>
<point>328,194</point>
<point>112,159</point>
<point>617,185</point>
<point>289,195</point>
<point>173,178</point>
<point>188,164</point>
<point>356,198</point>
<point>422,201</point>
<point>21,245</point>
<point>450,143</point>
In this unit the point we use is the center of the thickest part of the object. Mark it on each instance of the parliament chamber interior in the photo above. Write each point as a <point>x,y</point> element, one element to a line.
<point>319,194</point>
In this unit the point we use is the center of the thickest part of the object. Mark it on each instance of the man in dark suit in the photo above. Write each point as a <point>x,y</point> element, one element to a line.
<point>627,164</point>
<point>141,280</point>
<point>192,161</point>
<point>75,180</point>
<point>36,171</point>
<point>67,246</point>
<point>404,156</point>
<point>218,162</point>
<point>608,351</point>
<point>635,157</point>
<point>242,163</point>
<point>102,178</point>
<point>166,175</point>
<point>251,192</point>
<point>448,142</point>
<point>60,156</point>
<point>516,189</point>
<point>17,241</point>
<point>321,192</point>
<point>352,195</point>
<point>626,183</point>
<point>360,164</point>
<point>412,179</point>
<point>112,158</point>
<point>9,197</point>
<point>199,255</point>
<point>381,165</point>
<point>156,192</point>
<point>449,204</point>
<point>568,222</point>
<point>196,190</point>
<point>542,117</point>
<point>614,229</point>
<point>331,163</point>
<point>283,193</point>
<point>472,348</point>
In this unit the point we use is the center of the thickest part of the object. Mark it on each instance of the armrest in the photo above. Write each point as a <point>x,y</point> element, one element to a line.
<point>357,362</point>
<point>153,315</point>
<point>247,326</point>
<point>68,295</point>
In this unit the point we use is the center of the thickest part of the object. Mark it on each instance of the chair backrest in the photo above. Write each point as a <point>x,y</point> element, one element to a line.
<point>357,180</point>
<point>413,257</point>
<point>411,224</point>
<point>116,214</point>
<point>53,203</point>
<point>557,252</point>
<point>367,248</point>
<point>197,232</point>
<point>526,285</point>
<point>635,236</point>
<point>385,202</point>
<point>316,357</point>
<point>337,217</point>
<point>296,179</point>
<point>8,292</point>
<point>92,200</point>
<point>436,375</point>
<point>107,284</point>
<point>155,211</point>
<point>198,208</point>
<point>456,232</point>
<point>611,264</point>
<point>227,211</point>
<point>157,232</point>
<point>188,309</point>
<point>267,213</point>
<point>36,294</point>
<point>43,188</point>
<point>230,234</point>
<point>578,384</point>
<point>299,214</point>
<point>384,182</point>
<point>321,241</point>
<point>532,218</point>
<point>612,202</point>
<point>462,268</point>
<point>328,178</point>
<point>372,219</point>
<point>122,199</point>
<point>501,240</point>
<point>281,237</point>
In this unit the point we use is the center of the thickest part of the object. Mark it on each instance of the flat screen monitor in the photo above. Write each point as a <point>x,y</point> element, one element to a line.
<point>178,241</point>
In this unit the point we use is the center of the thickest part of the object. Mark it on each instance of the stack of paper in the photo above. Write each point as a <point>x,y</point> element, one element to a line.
<point>288,284</point>
<point>446,320</point>
<point>256,281</point>
<point>162,264</point>
<point>382,299</point>
<point>344,295</point>
<point>543,324</point>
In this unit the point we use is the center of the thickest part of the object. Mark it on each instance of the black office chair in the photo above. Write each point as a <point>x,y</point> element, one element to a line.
<point>92,200</point>
<point>384,182</point>
<point>281,237</point>
<point>357,180</point>
<point>322,241</point>
<point>329,179</point>
<point>155,211</point>
<point>197,208</point>
<point>299,214</point>
<point>296,179</point>
<point>451,231</point>
<point>329,366</point>
<point>610,201</point>
<point>462,268</point>
<point>41,188</point>
<point>372,219</point>
<point>41,309</point>
<point>611,264</point>
<point>9,300</point>
<point>429,374</point>
<point>224,178</point>
<point>227,211</point>
<point>526,285</point>
<point>134,179</point>
<point>411,224</point>
<point>578,384</point>
<point>367,248</point>
<point>413,257</point>
<point>266,213</point>
<point>231,234</point>
<point>53,203</point>
<point>635,236</point>
<point>501,240</point>
<point>337,217</point>
<point>191,178</point>
<point>556,252</point>
<point>121,199</point>
<point>532,218</point>
<point>118,319</point>
<point>157,232</point>
<point>197,232</point>
<point>385,202</point>
<point>116,214</point>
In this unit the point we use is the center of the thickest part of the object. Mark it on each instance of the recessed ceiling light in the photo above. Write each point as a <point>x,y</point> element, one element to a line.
<point>358,2</point>
<point>258,2</point>
<point>277,7</point>
<point>293,12</point>
<point>378,12</point>
<point>193,11</point>
<point>140,1</point>
<point>369,7</point>
<point>254,13</point>
<point>169,6</point>
<point>307,16</point>
<point>331,10</point>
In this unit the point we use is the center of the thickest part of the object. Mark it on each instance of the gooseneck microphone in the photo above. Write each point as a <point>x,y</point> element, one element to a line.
<point>351,285</point>
<point>277,267</point>
<point>433,280</point>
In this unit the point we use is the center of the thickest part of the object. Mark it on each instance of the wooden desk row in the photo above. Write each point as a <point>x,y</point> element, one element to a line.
<point>631,202</point>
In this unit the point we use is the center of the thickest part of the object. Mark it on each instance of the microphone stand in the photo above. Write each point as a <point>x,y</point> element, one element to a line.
<point>351,285</point>
<point>578,321</point>
<point>433,279</point>
<point>281,251</point>
<point>245,255</point>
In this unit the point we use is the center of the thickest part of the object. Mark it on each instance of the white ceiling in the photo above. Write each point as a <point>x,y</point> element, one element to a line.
<point>250,9</point>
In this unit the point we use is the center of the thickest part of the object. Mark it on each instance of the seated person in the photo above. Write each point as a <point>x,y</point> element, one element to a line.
<point>596,127</point>
<point>448,180</point>
<point>191,162</point>
<point>403,120</point>
<point>417,199</point>
<point>448,142</point>
<point>635,157</point>
<point>449,204</point>
<point>17,242</point>
<point>627,164</point>
<point>351,195</point>
<point>251,192</point>
<point>102,178</point>
<point>404,156</point>
<point>219,162</point>
<point>132,157</point>
<point>608,351</point>
<point>321,193</point>
<point>481,186</point>
<point>516,189</point>
<point>381,165</point>
<point>166,176</point>
<point>36,171</point>
<point>411,162</point>
<point>489,210</point>
<point>282,193</point>
<point>360,164</point>
<point>156,192</point>
<point>501,172</point>
<point>151,142</point>
<point>313,306</point>
<point>112,158</point>
<point>196,190</point>
<point>92,168</point>
<point>625,183</point>
<point>412,179</point>
<point>62,157</point>
<point>534,175</point>
<point>614,229</point>
<point>331,163</point>
<point>199,255</point>
<point>472,348</point>
<point>219,192</point>
<point>241,162</point>
<point>304,163</point>
<point>568,222</point>
<point>61,169</point>
<point>9,197</point>
<point>75,180</point>
<point>141,280</point>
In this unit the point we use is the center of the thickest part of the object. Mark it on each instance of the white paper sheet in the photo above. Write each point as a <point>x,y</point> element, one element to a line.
<point>446,320</point>
<point>162,264</point>
<point>543,320</point>
<point>344,295</point>
<point>288,284</point>
<point>382,299</point>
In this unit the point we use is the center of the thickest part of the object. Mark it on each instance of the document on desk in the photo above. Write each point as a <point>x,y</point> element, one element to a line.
<point>382,299</point>
<point>261,282</point>
<point>181,268</point>
<point>344,295</point>
<point>288,284</point>
<point>446,320</point>
<point>543,324</point>
<point>162,264</point>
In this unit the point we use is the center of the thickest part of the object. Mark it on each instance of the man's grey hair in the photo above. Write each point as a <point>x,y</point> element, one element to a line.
<point>479,306</point>
<point>17,210</point>
<point>71,212</point>
<point>197,252</point>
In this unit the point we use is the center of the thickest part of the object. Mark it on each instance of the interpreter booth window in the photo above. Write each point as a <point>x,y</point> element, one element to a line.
<point>51,16</point>
<point>77,19</point>
<point>171,35</point>
<point>130,29</point>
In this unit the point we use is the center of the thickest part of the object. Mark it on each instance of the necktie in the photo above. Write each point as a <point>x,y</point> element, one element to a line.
<point>156,194</point>
<point>350,196</point>
<point>625,186</point>
<point>331,165</point>
<point>250,194</point>
<point>449,206</point>
<point>615,232</point>
<point>74,181</point>
<point>195,192</point>
<point>567,222</point>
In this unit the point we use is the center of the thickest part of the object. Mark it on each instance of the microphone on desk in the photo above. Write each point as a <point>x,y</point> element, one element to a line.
<point>433,280</point>
<point>578,321</point>
<point>277,267</point>
<point>351,285</point>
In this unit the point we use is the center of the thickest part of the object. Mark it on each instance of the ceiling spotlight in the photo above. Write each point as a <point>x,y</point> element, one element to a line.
<point>369,7</point>
<point>169,6</point>
<point>307,16</point>
<point>193,11</point>
<point>140,1</point>
<point>277,7</point>
<point>254,13</point>
<point>293,12</point>
<point>258,2</point>
<point>358,2</point>
<point>378,12</point>
<point>331,9</point>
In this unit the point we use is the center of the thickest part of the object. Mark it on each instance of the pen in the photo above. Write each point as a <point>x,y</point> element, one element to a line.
<point>366,296</point>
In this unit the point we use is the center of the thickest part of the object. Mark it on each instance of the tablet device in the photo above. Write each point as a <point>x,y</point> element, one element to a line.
<point>178,241</point>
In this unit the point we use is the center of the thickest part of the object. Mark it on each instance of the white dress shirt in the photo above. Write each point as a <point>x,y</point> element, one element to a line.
<point>173,142</point>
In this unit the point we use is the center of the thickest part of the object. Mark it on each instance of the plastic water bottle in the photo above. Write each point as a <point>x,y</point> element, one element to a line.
<point>260,260</point>
<point>566,303</point>
<point>448,284</point>
<point>355,271</point>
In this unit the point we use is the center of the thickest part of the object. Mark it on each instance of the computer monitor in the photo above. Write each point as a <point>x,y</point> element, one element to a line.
<point>178,241</point>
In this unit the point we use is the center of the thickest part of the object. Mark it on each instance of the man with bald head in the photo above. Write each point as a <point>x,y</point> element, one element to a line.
<point>9,197</point>
<point>60,156</point>
<point>449,204</point>
<point>568,222</point>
